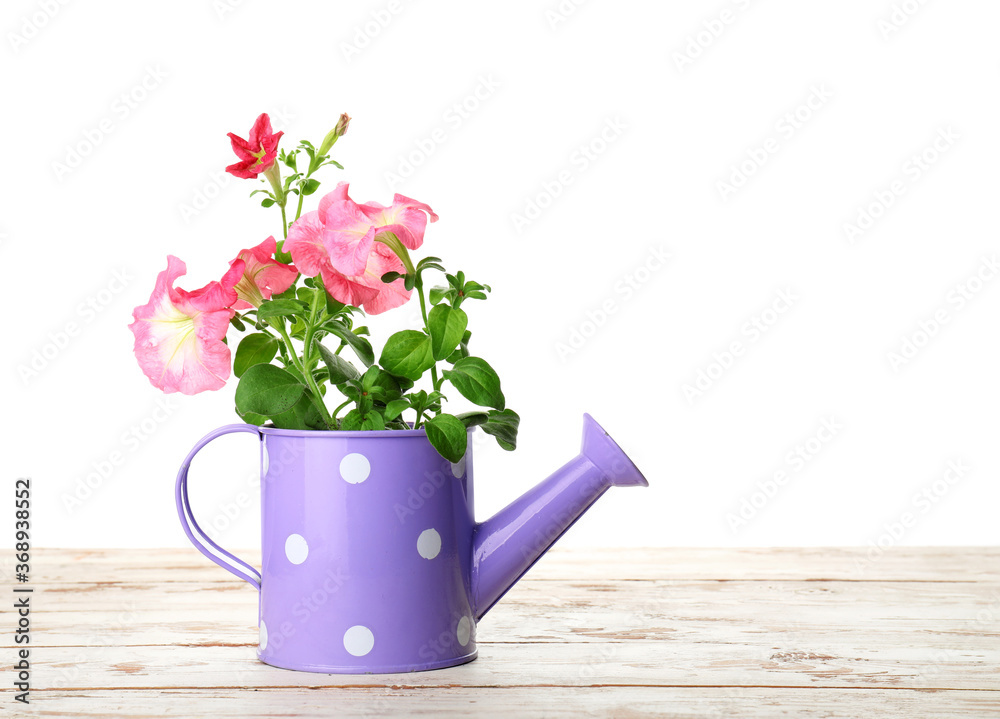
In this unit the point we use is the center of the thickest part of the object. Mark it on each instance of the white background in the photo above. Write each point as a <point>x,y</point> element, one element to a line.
<point>685,95</point>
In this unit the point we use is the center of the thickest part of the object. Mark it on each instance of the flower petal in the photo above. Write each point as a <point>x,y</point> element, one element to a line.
<point>263,276</point>
<point>338,194</point>
<point>347,290</point>
<point>178,334</point>
<point>390,295</point>
<point>215,295</point>
<point>242,170</point>
<point>260,130</point>
<point>405,213</point>
<point>242,148</point>
<point>305,244</point>
<point>347,236</point>
<point>349,249</point>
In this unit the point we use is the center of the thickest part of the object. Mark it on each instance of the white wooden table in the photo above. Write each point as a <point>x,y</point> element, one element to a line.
<point>626,633</point>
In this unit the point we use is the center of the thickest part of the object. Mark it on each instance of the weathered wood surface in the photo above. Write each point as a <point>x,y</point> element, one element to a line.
<point>630,633</point>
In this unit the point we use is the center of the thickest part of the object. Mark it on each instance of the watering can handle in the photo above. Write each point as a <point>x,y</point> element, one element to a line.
<point>191,528</point>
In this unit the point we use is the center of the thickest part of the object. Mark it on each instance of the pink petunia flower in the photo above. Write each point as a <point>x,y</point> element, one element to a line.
<point>178,334</point>
<point>338,243</point>
<point>258,153</point>
<point>263,275</point>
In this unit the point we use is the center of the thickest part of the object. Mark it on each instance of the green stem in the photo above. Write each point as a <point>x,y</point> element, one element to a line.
<point>337,411</point>
<point>307,362</point>
<point>392,242</point>
<point>273,175</point>
<point>419,286</point>
<point>320,404</point>
<point>279,324</point>
<point>298,210</point>
<point>312,168</point>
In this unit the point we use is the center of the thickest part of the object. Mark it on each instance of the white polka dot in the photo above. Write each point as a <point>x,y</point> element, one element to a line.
<point>263,635</point>
<point>265,460</point>
<point>359,640</point>
<point>355,468</point>
<point>429,543</point>
<point>458,468</point>
<point>296,548</point>
<point>464,631</point>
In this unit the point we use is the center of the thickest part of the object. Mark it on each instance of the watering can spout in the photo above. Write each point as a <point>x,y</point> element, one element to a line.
<point>509,543</point>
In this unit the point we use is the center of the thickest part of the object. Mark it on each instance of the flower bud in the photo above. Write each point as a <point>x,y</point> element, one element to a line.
<point>342,125</point>
<point>335,134</point>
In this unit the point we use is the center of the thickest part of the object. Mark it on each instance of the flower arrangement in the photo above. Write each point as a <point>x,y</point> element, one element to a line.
<point>297,301</point>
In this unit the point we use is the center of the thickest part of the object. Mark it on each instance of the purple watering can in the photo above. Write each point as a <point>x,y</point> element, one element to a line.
<point>372,560</point>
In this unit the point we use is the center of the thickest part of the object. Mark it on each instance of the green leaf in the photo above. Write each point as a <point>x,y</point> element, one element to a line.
<point>437,294</point>
<point>387,386</point>
<point>288,294</point>
<point>362,347</point>
<point>251,418</point>
<point>298,328</point>
<point>448,436</point>
<point>447,326</point>
<point>395,408</point>
<point>268,390</point>
<point>474,418</point>
<point>237,323</point>
<point>254,349</point>
<point>407,354</point>
<point>340,369</point>
<point>354,420</point>
<point>477,381</point>
<point>308,295</point>
<point>280,308</point>
<point>392,276</point>
<point>309,186</point>
<point>503,426</point>
<point>463,349</point>
<point>333,307</point>
<point>266,202</point>
<point>303,415</point>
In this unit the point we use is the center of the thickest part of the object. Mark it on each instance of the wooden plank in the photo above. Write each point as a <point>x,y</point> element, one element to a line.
<point>621,702</point>
<point>938,564</point>
<point>943,614</point>
<point>637,663</point>
<point>624,633</point>
<point>651,598</point>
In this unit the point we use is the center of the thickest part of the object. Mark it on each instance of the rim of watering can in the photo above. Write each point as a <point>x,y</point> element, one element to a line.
<point>352,433</point>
